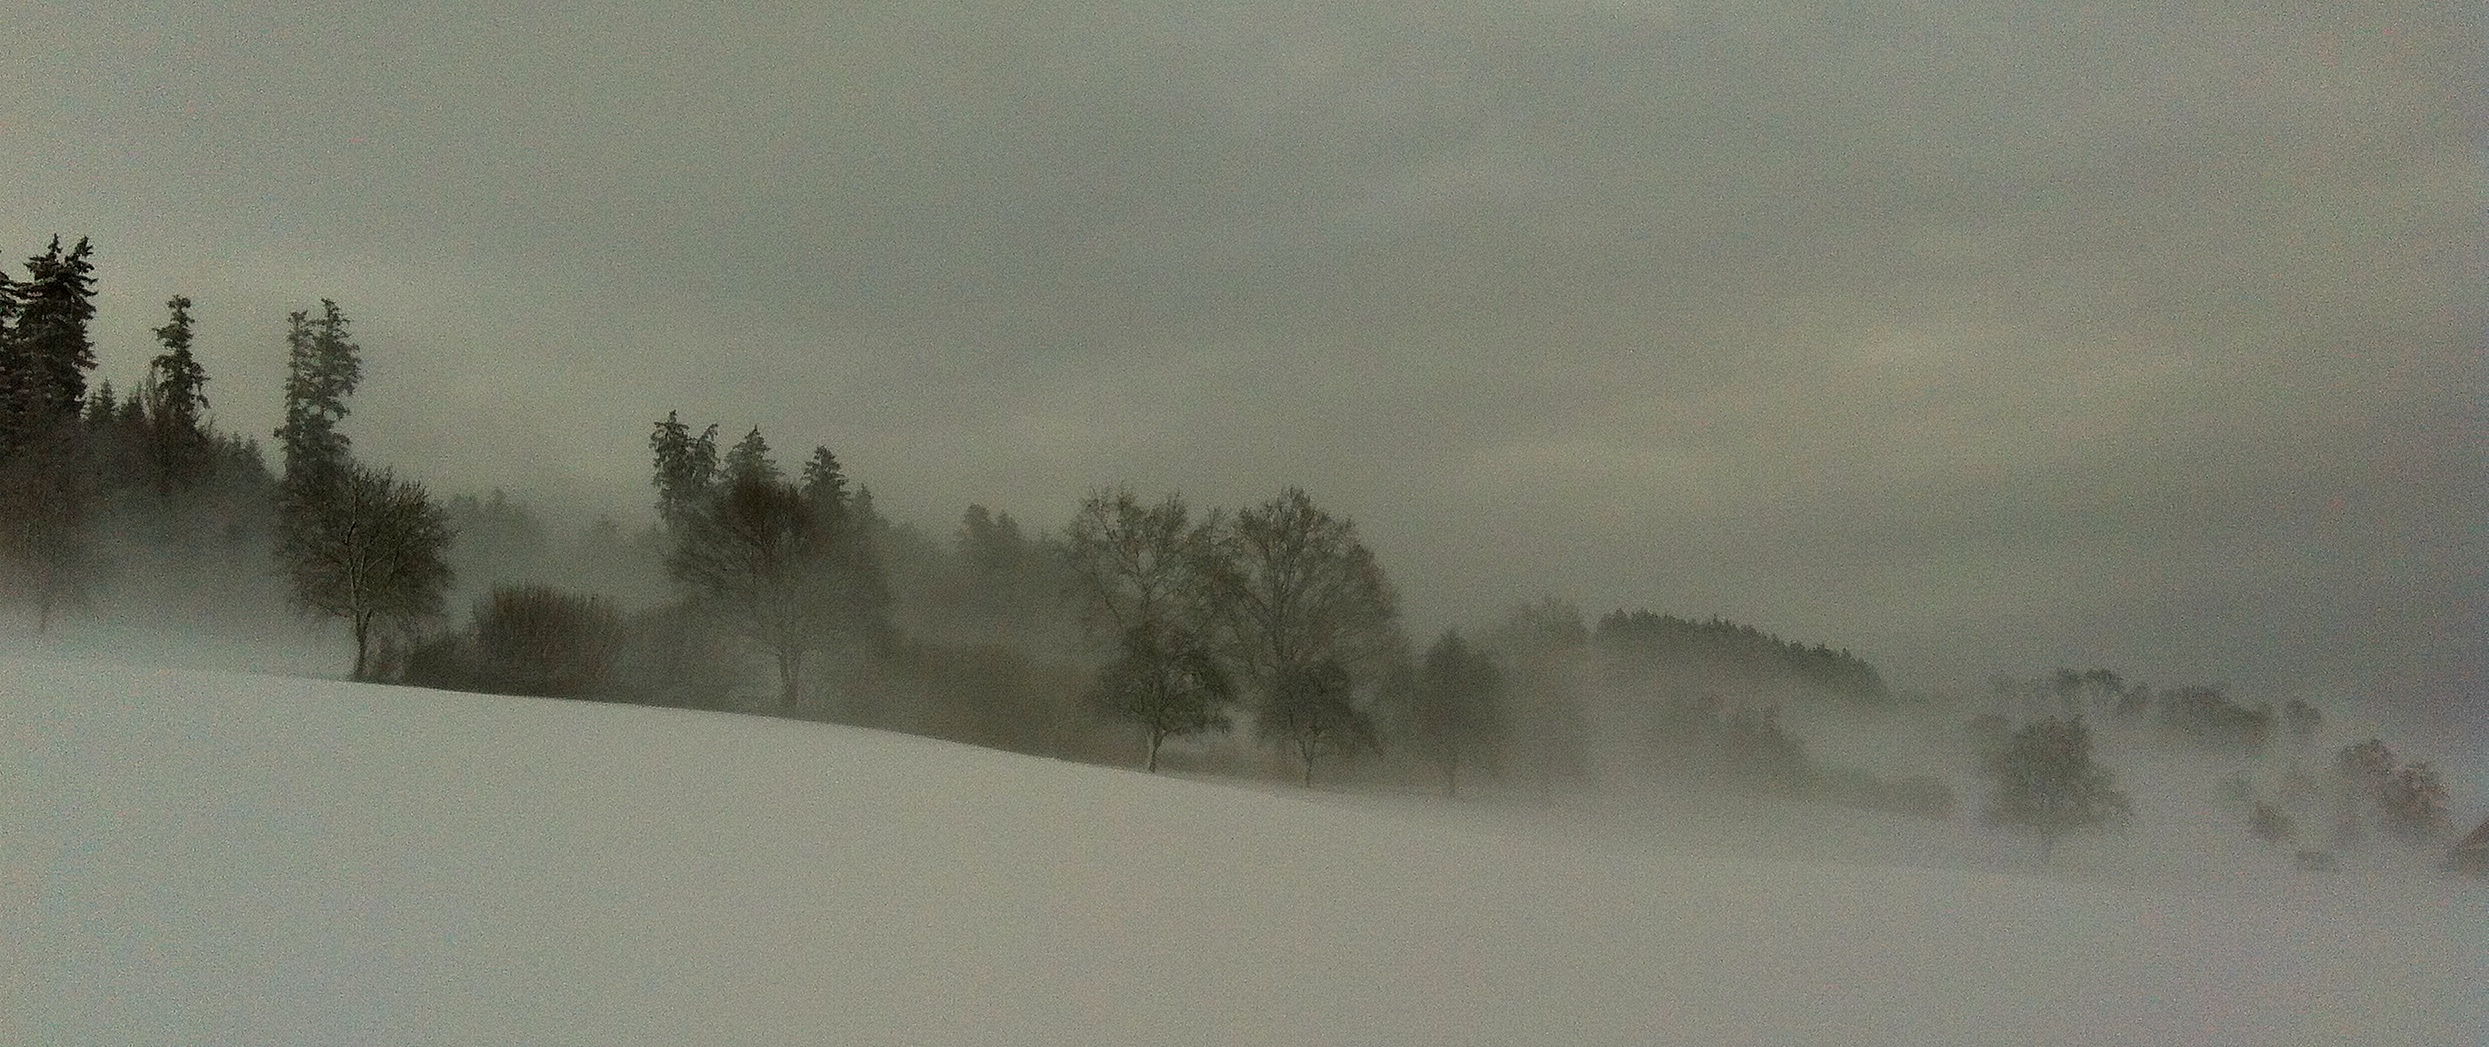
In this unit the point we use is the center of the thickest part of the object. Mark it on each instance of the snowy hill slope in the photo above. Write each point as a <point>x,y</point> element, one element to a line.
<point>201,858</point>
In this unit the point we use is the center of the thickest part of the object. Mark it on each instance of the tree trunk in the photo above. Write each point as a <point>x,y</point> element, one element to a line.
<point>1154,737</point>
<point>1451,777</point>
<point>790,676</point>
<point>362,644</point>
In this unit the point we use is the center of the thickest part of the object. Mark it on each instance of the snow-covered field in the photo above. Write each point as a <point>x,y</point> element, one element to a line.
<point>200,858</point>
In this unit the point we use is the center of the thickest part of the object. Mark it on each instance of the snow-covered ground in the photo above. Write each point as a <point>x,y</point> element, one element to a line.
<point>199,858</point>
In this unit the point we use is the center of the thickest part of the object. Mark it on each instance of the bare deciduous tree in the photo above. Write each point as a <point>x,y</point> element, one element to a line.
<point>1306,612</point>
<point>1142,572</point>
<point>369,549</point>
<point>1457,708</point>
<point>760,555</point>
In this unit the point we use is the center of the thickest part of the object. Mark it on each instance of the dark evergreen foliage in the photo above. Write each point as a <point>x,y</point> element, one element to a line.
<point>788,569</point>
<point>47,495</point>
<point>323,367</point>
<point>749,461</point>
<point>825,485</point>
<point>47,353</point>
<point>175,405</point>
<point>687,469</point>
<point>1638,643</point>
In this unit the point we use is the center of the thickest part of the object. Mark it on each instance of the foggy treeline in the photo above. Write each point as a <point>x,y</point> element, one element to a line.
<point>1261,640</point>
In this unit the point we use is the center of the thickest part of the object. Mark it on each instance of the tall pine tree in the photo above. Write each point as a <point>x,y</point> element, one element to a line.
<point>46,483</point>
<point>686,473</point>
<point>46,357</point>
<point>175,399</point>
<point>323,366</point>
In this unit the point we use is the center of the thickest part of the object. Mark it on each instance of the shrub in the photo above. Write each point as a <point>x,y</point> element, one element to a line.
<point>526,640</point>
<point>538,640</point>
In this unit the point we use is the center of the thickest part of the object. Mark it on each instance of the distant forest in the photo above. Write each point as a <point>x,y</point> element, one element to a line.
<point>1258,640</point>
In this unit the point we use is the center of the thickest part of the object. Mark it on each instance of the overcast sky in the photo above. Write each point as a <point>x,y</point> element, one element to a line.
<point>1974,336</point>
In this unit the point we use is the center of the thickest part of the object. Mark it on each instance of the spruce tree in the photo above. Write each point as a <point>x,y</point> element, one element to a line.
<point>825,483</point>
<point>749,460</point>
<point>50,352</point>
<point>175,400</point>
<point>46,478</point>
<point>686,469</point>
<point>323,366</point>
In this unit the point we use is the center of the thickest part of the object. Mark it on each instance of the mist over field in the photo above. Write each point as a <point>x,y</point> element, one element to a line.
<point>1805,467</point>
<point>248,859</point>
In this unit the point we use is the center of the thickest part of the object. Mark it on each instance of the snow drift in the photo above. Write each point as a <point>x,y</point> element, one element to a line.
<point>191,857</point>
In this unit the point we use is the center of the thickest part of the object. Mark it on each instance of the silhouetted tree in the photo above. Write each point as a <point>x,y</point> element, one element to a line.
<point>1706,740</point>
<point>749,460</point>
<point>1457,708</point>
<point>2047,783</point>
<point>175,398</point>
<point>2207,717</point>
<point>323,366</point>
<point>46,355</point>
<point>1166,682</point>
<point>47,469</point>
<point>825,485</point>
<point>1143,573</point>
<point>1304,609</point>
<point>686,475</point>
<point>2413,804</point>
<point>1313,712</point>
<point>47,491</point>
<point>371,550</point>
<point>1639,647</point>
<point>1141,566</point>
<point>761,555</point>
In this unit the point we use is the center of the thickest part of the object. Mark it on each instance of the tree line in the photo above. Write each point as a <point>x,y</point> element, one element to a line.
<point>1141,628</point>
<point>350,540</point>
